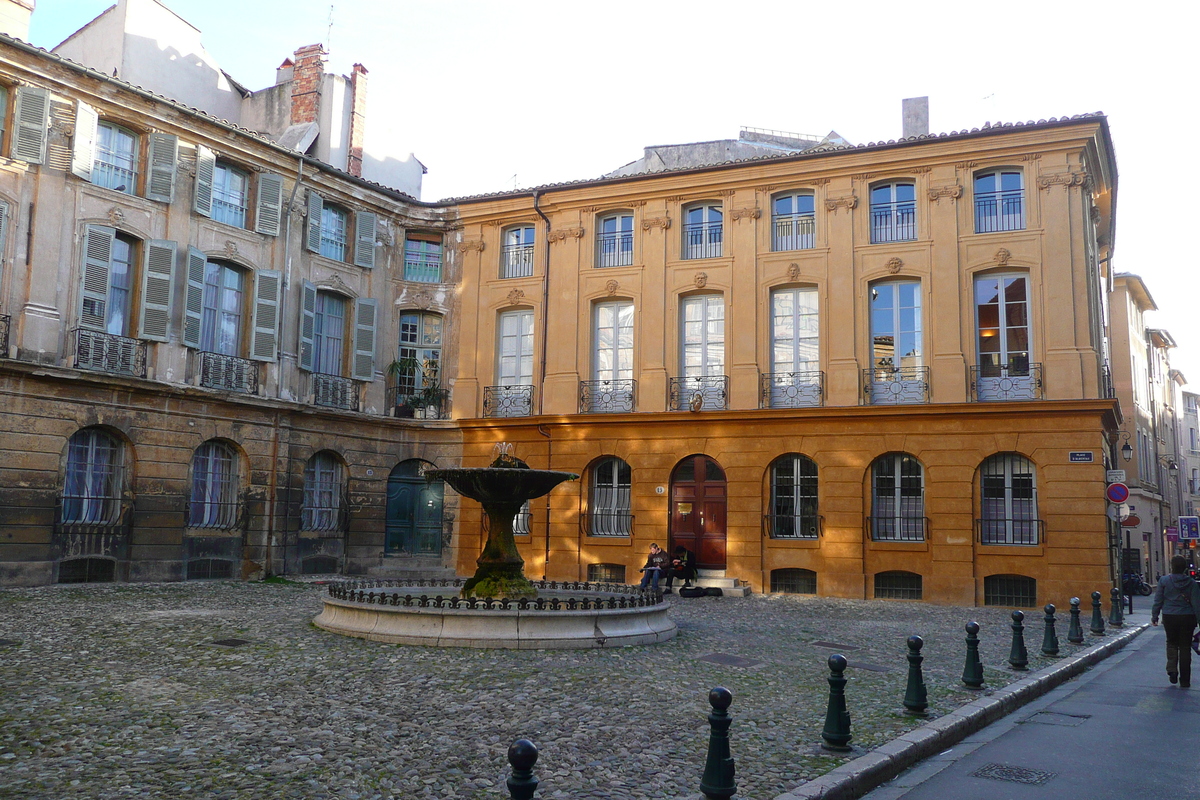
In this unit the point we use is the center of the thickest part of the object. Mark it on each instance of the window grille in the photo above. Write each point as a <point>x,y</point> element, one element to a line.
<point>1010,590</point>
<point>793,581</point>
<point>897,586</point>
<point>606,573</point>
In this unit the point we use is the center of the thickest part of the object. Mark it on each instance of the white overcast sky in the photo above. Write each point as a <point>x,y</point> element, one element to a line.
<point>492,95</point>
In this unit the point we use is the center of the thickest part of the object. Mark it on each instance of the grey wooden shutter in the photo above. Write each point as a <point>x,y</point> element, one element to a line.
<point>270,204</point>
<point>266,314</point>
<point>206,165</point>
<point>316,206</point>
<point>364,238</point>
<point>193,307</point>
<point>164,150</point>
<point>4,214</point>
<point>308,323</point>
<point>365,312</point>
<point>32,114</point>
<point>97,259</point>
<point>83,143</point>
<point>158,290</point>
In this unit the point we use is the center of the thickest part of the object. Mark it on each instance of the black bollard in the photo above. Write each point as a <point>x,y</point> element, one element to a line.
<point>522,754</point>
<point>1097,615</point>
<point>1050,639</point>
<point>837,719</point>
<point>916,699</point>
<point>973,670</point>
<point>1018,656</point>
<point>1075,631</point>
<point>1115,618</point>
<point>717,782</point>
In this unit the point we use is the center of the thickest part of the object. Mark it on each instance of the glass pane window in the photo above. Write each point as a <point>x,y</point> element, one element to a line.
<point>421,348</point>
<point>610,498</point>
<point>893,213</point>
<point>1002,315</point>
<point>703,335</point>
<point>221,315</point>
<point>793,222</point>
<point>95,476</point>
<point>896,339</point>
<point>614,241</point>
<point>702,231</point>
<point>229,195</point>
<point>115,164</point>
<point>120,287</point>
<point>794,498</point>
<point>898,499</point>
<point>794,330</point>
<point>323,480</point>
<point>515,367</point>
<point>422,261</point>
<point>516,252</point>
<point>614,341</point>
<point>1008,500</point>
<point>333,232</point>
<point>214,487</point>
<point>329,333</point>
<point>999,202</point>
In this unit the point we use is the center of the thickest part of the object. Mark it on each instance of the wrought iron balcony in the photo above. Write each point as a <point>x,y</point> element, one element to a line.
<point>5,324</point>
<point>422,267</point>
<point>105,352</point>
<point>607,397</point>
<point>215,515</point>
<point>893,222</point>
<point>896,386</point>
<point>996,383</point>
<point>516,261</point>
<point>702,240</point>
<point>230,373</point>
<point>897,528</point>
<point>614,249</point>
<point>508,401</point>
<point>703,393</point>
<point>334,391</point>
<point>412,402</point>
<point>797,232</point>
<point>606,523</point>
<point>1000,211</point>
<point>793,526</point>
<point>1021,532</point>
<point>791,389</point>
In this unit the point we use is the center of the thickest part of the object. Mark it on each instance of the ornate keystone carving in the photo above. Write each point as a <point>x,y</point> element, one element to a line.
<point>564,234</point>
<point>953,191</point>
<point>847,202</point>
<point>231,248</point>
<point>467,245</point>
<point>701,280</point>
<point>422,300</point>
<point>1002,257</point>
<point>611,287</point>
<point>334,283</point>
<point>656,222</point>
<point>793,271</point>
<point>744,213</point>
<point>115,216</point>
<point>515,297</point>
<point>894,264</point>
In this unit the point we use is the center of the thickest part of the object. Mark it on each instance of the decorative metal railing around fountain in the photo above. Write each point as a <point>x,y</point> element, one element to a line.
<point>626,596</point>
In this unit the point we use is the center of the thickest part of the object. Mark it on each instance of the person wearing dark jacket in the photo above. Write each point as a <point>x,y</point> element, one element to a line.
<point>1178,599</point>
<point>683,565</point>
<point>656,563</point>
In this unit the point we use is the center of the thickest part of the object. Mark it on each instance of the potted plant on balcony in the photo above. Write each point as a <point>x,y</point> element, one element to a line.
<point>427,390</point>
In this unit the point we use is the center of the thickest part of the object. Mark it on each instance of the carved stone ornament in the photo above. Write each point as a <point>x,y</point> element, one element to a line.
<point>334,283</point>
<point>231,248</point>
<point>115,216</point>
<point>515,297</point>
<point>793,271</point>
<point>921,170</point>
<point>819,181</point>
<point>744,213</point>
<point>656,222</point>
<point>1002,257</point>
<point>422,300</point>
<point>847,202</point>
<point>564,234</point>
<point>589,209</point>
<point>863,176</point>
<point>468,245</point>
<point>964,165</point>
<point>1095,212</point>
<point>701,280</point>
<point>953,191</point>
<point>894,264</point>
<point>1063,179</point>
<point>635,203</point>
<point>611,287</point>
<point>728,192</point>
<point>1031,157</point>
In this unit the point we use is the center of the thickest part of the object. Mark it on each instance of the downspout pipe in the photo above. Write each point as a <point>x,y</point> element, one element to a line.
<point>545,307</point>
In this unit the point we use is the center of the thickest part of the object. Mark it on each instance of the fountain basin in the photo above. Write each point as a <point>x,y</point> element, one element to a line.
<point>564,616</point>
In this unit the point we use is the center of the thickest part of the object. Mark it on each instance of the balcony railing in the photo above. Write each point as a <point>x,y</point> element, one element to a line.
<point>92,526</point>
<point>614,249</point>
<point>607,397</point>
<point>702,240</point>
<point>896,386</point>
<point>794,233</point>
<point>229,213</point>
<point>1021,532</point>
<point>1000,211</point>
<point>105,352</point>
<point>897,529</point>
<point>422,267</point>
<point>409,402</point>
<point>508,401</point>
<point>791,389</point>
<point>5,324</point>
<point>334,391</point>
<point>893,222</point>
<point>107,172</point>
<point>516,261</point>
<point>702,393</point>
<point>606,523</point>
<point>996,383</point>
<point>213,515</point>
<point>230,373</point>
<point>793,526</point>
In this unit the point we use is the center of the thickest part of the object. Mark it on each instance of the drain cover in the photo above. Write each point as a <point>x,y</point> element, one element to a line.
<point>1004,772</point>
<point>727,660</point>
<point>231,642</point>
<point>869,667</point>
<point>1054,718</point>
<point>8,642</point>
<point>835,646</point>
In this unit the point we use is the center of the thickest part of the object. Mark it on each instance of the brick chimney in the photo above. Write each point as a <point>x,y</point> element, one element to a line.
<point>915,116</point>
<point>307,73</point>
<point>358,119</point>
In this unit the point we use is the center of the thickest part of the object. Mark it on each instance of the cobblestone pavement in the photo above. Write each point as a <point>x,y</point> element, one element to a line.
<point>117,691</point>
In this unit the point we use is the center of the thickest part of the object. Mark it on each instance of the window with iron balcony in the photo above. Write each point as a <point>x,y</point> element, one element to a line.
<point>999,201</point>
<point>614,241</point>
<point>703,230</point>
<point>423,258</point>
<point>793,222</point>
<point>893,213</point>
<point>516,252</point>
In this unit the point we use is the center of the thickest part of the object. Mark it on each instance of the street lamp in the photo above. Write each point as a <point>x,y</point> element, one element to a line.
<point>1127,450</point>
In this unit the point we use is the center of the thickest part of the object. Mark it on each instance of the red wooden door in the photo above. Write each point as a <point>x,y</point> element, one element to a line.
<point>698,510</point>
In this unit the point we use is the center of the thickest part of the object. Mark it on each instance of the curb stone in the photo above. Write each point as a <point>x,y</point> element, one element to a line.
<point>855,778</point>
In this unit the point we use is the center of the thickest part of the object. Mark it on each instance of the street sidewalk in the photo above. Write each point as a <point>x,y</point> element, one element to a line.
<point>1117,732</point>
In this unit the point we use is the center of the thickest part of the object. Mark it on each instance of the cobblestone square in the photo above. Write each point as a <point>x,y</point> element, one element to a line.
<point>115,691</point>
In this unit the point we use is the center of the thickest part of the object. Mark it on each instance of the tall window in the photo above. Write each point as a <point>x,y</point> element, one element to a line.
<point>324,479</point>
<point>423,258</point>
<point>793,498</point>
<point>610,499</point>
<point>95,478</point>
<point>515,367</point>
<point>893,213</point>
<point>334,223</point>
<point>898,499</point>
<point>614,241</point>
<point>421,348</point>
<point>1002,309</point>
<point>516,252</point>
<point>120,287</point>
<point>794,330</point>
<point>223,304</point>
<point>1008,500</point>
<point>702,231</point>
<point>214,502</point>
<point>896,325</point>
<point>115,166</point>
<point>329,333</point>
<point>999,202</point>
<point>614,341</point>
<point>230,189</point>
<point>703,335</point>
<point>793,222</point>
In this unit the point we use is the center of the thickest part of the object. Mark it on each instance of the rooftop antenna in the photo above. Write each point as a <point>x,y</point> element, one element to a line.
<point>329,31</point>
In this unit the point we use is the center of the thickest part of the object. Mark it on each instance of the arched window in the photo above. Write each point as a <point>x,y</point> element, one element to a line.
<point>893,213</point>
<point>1008,501</point>
<point>999,201</point>
<point>1010,590</point>
<point>898,585</point>
<point>793,581</point>
<point>793,222</point>
<point>214,502</point>
<point>793,498</point>
<point>324,493</point>
<point>95,479</point>
<point>610,501</point>
<point>516,252</point>
<point>702,231</point>
<point>614,240</point>
<point>897,499</point>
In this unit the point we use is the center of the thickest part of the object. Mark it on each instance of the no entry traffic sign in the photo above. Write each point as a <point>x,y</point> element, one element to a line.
<point>1117,493</point>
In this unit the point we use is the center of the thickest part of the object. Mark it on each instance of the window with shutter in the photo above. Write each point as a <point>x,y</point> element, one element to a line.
<point>364,239</point>
<point>312,237</point>
<point>202,195</point>
<point>97,257</point>
<point>116,161</point>
<point>83,141</point>
<point>32,115</point>
<point>270,204</point>
<point>308,317</point>
<point>164,150</point>
<point>266,315</point>
<point>193,309</point>
<point>157,290</point>
<point>365,312</point>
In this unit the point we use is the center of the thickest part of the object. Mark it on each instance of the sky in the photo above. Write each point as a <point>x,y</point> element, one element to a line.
<point>503,94</point>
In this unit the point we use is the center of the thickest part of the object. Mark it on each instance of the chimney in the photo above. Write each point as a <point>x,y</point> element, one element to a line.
<point>307,74</point>
<point>915,115</point>
<point>14,18</point>
<point>358,119</point>
<point>283,73</point>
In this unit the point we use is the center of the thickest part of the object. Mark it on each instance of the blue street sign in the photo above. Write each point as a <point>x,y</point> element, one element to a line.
<point>1189,528</point>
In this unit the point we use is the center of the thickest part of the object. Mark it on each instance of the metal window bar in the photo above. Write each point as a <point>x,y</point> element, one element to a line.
<point>706,393</point>
<point>216,515</point>
<point>897,528</point>
<point>233,374</point>
<point>991,383</point>
<point>1108,390</point>
<point>614,249</point>
<point>106,352</point>
<point>794,526</point>
<point>231,213</point>
<point>334,391</point>
<point>792,580</point>
<point>898,586</point>
<point>606,573</point>
<point>408,400</point>
<point>104,535</point>
<point>421,266</point>
<point>5,324</point>
<point>1010,590</point>
<point>896,386</point>
<point>516,261</point>
<point>607,397</point>
<point>893,222</point>
<point>794,232</point>
<point>791,389</point>
<point>110,175</point>
<point>1010,531</point>
<point>702,240</point>
<point>328,512</point>
<point>87,570</point>
<point>508,401</point>
<point>1000,211</point>
<point>607,523</point>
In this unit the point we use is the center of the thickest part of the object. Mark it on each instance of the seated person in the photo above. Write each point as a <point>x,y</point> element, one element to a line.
<point>655,564</point>
<point>683,565</point>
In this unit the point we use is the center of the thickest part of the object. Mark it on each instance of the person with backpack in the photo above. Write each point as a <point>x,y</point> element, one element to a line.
<point>683,565</point>
<point>1178,599</point>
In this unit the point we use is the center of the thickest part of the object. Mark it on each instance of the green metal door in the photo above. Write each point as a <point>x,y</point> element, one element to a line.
<point>414,512</point>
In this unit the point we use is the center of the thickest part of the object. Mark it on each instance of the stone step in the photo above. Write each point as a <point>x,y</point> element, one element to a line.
<point>716,578</point>
<point>411,568</point>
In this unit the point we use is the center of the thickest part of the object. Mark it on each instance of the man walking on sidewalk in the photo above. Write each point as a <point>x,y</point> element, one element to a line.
<point>1178,598</point>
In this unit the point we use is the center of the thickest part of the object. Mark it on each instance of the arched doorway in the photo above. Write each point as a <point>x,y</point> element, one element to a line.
<point>698,510</point>
<point>414,512</point>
